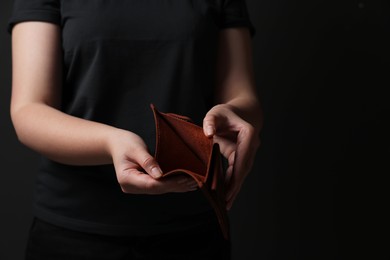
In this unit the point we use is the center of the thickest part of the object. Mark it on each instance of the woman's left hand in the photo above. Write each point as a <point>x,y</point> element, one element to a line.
<point>238,141</point>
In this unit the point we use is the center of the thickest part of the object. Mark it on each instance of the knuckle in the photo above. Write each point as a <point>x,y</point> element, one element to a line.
<point>249,129</point>
<point>148,163</point>
<point>209,119</point>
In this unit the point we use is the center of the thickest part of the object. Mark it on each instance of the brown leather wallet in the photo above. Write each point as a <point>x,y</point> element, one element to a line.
<point>183,148</point>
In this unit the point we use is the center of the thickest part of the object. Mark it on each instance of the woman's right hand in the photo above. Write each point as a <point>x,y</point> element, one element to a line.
<point>132,160</point>
<point>37,84</point>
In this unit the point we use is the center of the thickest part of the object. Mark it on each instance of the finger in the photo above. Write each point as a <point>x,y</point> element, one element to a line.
<point>240,169</point>
<point>213,122</point>
<point>243,153</point>
<point>229,170</point>
<point>133,181</point>
<point>180,184</point>
<point>193,187</point>
<point>227,146</point>
<point>229,204</point>
<point>209,128</point>
<point>232,186</point>
<point>188,182</point>
<point>149,164</point>
<point>231,200</point>
<point>140,183</point>
<point>231,190</point>
<point>232,193</point>
<point>243,148</point>
<point>228,175</point>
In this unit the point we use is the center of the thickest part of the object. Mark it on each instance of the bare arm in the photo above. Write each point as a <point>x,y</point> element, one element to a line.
<point>235,77</point>
<point>236,121</point>
<point>36,90</point>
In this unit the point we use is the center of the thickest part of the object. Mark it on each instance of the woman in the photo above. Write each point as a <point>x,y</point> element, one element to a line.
<point>84,74</point>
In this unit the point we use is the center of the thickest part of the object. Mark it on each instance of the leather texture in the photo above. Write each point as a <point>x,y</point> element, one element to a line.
<point>183,148</point>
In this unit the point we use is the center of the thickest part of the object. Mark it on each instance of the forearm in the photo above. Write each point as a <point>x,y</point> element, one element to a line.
<point>235,80</point>
<point>61,137</point>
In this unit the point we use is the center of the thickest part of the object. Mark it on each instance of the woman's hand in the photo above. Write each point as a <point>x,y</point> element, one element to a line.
<point>238,142</point>
<point>132,160</point>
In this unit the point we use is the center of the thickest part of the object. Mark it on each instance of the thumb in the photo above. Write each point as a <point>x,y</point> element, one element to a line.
<point>209,128</point>
<point>149,164</point>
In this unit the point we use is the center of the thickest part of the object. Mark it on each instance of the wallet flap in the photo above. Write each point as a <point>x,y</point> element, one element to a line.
<point>181,145</point>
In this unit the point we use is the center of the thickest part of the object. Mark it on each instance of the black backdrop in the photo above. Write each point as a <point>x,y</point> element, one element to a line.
<point>318,188</point>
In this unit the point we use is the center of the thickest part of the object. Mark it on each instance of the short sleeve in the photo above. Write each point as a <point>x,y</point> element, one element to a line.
<point>235,13</point>
<point>34,10</point>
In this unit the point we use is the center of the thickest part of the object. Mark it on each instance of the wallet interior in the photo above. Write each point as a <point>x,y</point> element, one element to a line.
<point>182,147</point>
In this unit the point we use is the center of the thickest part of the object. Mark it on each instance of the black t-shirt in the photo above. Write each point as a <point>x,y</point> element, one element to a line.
<point>118,57</point>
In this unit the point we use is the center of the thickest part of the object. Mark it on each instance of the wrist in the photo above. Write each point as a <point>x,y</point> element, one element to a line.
<point>113,138</point>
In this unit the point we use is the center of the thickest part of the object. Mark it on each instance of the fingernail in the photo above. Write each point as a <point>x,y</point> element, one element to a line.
<point>209,130</point>
<point>156,172</point>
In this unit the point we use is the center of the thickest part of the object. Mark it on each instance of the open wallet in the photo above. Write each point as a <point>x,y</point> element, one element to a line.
<point>183,148</point>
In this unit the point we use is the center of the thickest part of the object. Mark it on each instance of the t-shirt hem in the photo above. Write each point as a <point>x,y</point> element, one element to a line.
<point>33,15</point>
<point>122,230</point>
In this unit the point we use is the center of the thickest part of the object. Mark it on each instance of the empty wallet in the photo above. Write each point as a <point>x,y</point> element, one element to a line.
<point>183,148</point>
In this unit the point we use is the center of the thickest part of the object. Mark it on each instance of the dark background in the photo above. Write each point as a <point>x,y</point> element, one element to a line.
<point>318,189</point>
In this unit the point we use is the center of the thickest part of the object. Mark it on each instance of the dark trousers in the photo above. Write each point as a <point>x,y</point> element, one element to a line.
<point>47,241</point>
